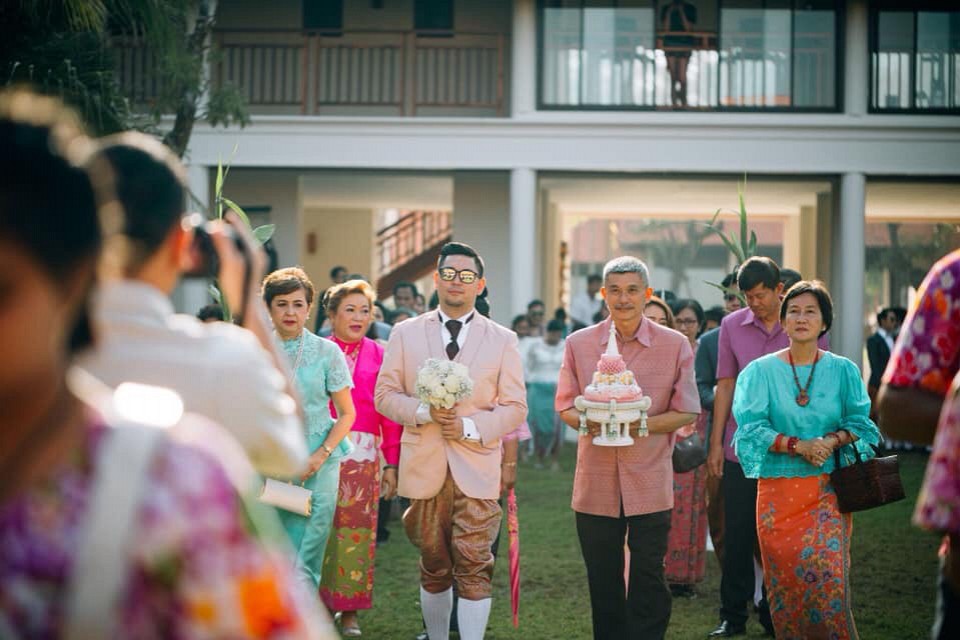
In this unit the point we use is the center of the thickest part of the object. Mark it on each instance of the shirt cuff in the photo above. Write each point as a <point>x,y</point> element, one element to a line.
<point>470,431</point>
<point>423,414</point>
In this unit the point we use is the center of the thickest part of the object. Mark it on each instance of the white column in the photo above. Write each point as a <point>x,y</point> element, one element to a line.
<point>481,218</point>
<point>523,56</point>
<point>524,248</point>
<point>201,195</point>
<point>192,293</point>
<point>856,63</point>
<point>848,301</point>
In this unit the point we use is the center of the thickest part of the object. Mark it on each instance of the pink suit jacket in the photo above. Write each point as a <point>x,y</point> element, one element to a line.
<point>497,406</point>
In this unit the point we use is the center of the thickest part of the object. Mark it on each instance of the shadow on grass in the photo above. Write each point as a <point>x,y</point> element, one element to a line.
<point>893,563</point>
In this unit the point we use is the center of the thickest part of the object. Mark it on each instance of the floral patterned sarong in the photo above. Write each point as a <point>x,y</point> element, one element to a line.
<point>347,578</point>
<point>805,544</point>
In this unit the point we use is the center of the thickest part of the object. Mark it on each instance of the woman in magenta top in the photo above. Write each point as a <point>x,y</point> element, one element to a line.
<point>346,585</point>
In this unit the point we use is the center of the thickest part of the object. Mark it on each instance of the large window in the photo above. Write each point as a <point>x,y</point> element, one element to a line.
<point>915,56</point>
<point>689,54</point>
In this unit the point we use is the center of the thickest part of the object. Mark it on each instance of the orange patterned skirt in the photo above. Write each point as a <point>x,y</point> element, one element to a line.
<point>805,544</point>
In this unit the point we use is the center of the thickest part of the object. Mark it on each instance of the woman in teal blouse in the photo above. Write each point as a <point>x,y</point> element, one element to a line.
<point>793,408</point>
<point>320,374</point>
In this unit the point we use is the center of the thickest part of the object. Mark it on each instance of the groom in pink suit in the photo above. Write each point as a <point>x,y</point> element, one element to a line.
<point>450,459</point>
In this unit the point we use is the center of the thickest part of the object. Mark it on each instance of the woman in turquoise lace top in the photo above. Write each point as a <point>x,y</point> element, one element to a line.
<point>793,408</point>
<point>320,374</point>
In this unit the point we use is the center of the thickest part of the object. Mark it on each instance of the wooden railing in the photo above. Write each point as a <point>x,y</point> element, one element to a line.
<point>397,72</point>
<point>366,72</point>
<point>135,65</point>
<point>408,248</point>
<point>410,236</point>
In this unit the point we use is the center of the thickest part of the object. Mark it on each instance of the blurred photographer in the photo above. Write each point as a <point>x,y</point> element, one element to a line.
<point>230,374</point>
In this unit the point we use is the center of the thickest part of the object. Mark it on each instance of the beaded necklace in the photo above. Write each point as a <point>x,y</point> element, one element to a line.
<point>803,398</point>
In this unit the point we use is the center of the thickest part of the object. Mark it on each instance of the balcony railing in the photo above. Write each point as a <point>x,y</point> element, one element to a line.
<point>358,72</point>
<point>409,247</point>
<point>925,81</point>
<point>413,234</point>
<point>633,70</point>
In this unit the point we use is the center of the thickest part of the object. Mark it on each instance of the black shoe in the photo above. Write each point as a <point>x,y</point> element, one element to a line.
<point>683,591</point>
<point>767,625</point>
<point>727,629</point>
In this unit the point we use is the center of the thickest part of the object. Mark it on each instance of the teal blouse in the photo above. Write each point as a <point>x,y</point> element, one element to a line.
<point>322,371</point>
<point>764,404</point>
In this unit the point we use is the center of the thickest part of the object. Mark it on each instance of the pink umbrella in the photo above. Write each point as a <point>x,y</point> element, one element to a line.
<point>513,533</point>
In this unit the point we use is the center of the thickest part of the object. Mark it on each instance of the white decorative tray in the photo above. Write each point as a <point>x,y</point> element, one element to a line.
<point>614,418</point>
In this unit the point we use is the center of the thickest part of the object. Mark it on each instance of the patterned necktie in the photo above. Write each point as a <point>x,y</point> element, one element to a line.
<point>453,348</point>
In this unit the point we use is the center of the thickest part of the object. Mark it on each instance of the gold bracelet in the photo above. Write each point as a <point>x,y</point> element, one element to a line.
<point>327,449</point>
<point>508,464</point>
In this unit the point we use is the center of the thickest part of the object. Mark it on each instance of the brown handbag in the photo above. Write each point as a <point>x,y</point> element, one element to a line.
<point>866,484</point>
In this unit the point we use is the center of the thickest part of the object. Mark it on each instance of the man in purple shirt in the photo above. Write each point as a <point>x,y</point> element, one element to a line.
<point>745,335</point>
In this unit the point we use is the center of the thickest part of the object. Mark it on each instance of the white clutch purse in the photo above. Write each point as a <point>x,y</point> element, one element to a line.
<point>290,497</point>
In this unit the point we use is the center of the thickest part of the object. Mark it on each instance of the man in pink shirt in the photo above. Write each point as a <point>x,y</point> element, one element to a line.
<point>617,490</point>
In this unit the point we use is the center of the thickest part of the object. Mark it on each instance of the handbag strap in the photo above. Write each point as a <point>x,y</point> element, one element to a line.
<point>100,565</point>
<point>856,455</point>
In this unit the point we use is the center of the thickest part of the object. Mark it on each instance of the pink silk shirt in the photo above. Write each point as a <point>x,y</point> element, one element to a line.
<point>368,420</point>
<point>638,477</point>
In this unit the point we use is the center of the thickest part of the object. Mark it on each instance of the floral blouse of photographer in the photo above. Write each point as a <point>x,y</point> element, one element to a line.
<point>794,408</point>
<point>194,566</point>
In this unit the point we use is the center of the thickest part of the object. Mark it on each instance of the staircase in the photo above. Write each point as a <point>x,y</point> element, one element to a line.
<point>409,248</point>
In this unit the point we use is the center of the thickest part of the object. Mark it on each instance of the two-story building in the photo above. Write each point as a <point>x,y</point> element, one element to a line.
<point>555,134</point>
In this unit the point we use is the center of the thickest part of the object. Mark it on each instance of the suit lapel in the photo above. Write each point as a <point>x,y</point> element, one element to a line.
<point>433,335</point>
<point>476,337</point>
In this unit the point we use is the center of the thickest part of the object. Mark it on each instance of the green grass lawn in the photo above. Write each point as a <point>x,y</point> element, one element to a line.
<point>894,565</point>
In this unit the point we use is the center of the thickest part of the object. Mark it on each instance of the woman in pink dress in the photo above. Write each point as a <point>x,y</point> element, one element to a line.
<point>346,585</point>
<point>687,544</point>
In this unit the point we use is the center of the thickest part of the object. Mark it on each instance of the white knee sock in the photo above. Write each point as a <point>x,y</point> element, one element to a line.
<point>436,609</point>
<point>472,618</point>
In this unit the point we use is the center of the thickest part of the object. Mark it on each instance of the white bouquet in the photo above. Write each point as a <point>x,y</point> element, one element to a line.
<point>443,383</point>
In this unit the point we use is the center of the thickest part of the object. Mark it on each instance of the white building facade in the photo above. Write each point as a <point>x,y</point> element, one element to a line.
<point>527,124</point>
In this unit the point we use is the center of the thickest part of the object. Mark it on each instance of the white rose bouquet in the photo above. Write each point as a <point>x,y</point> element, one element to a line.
<point>443,383</point>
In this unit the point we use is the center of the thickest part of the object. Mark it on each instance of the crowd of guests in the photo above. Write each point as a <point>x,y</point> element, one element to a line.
<point>129,427</point>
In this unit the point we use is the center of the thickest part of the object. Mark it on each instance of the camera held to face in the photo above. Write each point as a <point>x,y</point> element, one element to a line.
<point>204,259</point>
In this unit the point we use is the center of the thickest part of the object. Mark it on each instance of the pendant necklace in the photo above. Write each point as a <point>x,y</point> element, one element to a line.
<point>803,398</point>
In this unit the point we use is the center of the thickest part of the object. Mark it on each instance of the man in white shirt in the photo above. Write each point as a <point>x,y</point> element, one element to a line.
<point>229,374</point>
<point>586,304</point>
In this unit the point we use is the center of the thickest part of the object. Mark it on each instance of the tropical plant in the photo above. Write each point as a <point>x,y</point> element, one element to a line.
<point>746,245</point>
<point>742,247</point>
<point>222,204</point>
<point>69,48</point>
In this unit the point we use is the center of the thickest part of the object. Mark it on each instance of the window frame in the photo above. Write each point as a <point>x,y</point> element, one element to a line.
<point>839,31</point>
<point>873,40</point>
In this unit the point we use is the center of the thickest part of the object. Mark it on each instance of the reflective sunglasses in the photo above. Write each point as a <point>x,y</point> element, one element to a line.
<point>449,274</point>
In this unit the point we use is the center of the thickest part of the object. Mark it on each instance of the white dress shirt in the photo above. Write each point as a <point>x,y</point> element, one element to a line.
<point>470,431</point>
<point>542,362</point>
<point>583,308</point>
<point>219,370</point>
<point>886,338</point>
